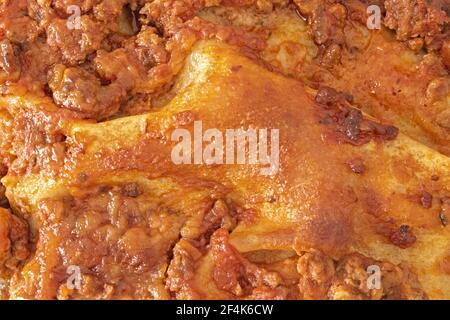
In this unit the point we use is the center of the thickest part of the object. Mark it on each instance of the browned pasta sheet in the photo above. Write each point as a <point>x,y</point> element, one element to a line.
<point>224,149</point>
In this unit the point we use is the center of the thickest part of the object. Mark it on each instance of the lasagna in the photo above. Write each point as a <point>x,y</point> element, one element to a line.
<point>348,101</point>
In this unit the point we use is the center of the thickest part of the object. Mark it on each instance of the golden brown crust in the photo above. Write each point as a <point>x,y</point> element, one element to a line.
<point>86,118</point>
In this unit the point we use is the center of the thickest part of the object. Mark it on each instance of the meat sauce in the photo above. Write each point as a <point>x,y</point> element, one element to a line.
<point>117,60</point>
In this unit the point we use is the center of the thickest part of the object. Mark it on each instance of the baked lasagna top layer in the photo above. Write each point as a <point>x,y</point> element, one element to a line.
<point>359,179</point>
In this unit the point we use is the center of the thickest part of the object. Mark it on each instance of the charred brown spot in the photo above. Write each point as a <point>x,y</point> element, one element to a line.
<point>403,237</point>
<point>357,166</point>
<point>236,68</point>
<point>131,190</point>
<point>426,200</point>
<point>350,123</point>
<point>387,132</point>
<point>328,96</point>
